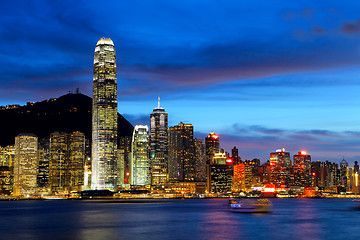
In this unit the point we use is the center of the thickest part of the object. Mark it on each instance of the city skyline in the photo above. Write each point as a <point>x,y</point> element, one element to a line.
<point>290,81</point>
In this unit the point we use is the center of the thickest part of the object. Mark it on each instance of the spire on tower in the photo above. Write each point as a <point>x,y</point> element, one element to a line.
<point>158,102</point>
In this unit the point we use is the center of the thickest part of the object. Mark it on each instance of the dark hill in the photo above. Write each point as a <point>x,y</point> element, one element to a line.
<point>68,113</point>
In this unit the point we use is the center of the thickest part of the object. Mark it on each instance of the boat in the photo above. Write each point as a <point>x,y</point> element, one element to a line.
<point>250,205</point>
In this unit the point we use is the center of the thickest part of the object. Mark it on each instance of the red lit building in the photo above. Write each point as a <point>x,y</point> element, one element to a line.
<point>281,168</point>
<point>302,169</point>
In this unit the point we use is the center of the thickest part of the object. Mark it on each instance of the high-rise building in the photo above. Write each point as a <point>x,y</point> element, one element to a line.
<point>139,163</point>
<point>6,180</point>
<point>43,168</point>
<point>104,117</point>
<point>280,164</point>
<point>200,160</point>
<point>124,161</point>
<point>220,172</point>
<point>344,174</point>
<point>235,156</point>
<point>67,160</point>
<point>25,164</point>
<point>181,153</point>
<point>159,145</point>
<point>302,169</point>
<point>212,144</point>
<point>7,155</point>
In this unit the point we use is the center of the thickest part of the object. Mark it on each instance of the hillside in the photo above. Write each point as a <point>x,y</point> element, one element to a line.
<point>68,113</point>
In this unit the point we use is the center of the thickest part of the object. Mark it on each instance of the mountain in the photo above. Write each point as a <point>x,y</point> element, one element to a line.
<point>68,113</point>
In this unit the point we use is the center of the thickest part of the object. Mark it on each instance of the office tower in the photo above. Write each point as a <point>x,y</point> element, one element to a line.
<point>344,174</point>
<point>6,180</point>
<point>121,154</point>
<point>139,163</point>
<point>239,178</point>
<point>181,153</point>
<point>212,144</point>
<point>25,164</point>
<point>302,169</point>
<point>280,164</point>
<point>43,168</point>
<point>159,145</point>
<point>7,156</point>
<point>235,156</point>
<point>125,154</point>
<point>200,160</point>
<point>67,160</point>
<point>355,177</point>
<point>219,179</point>
<point>104,117</point>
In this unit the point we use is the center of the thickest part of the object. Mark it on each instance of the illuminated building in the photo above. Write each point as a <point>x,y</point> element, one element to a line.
<point>159,145</point>
<point>219,179</point>
<point>355,177</point>
<point>25,164</point>
<point>139,162</point>
<point>280,164</point>
<point>121,154</point>
<point>200,160</point>
<point>302,169</point>
<point>239,177</point>
<point>7,155</point>
<point>43,168</point>
<point>212,144</point>
<point>344,174</point>
<point>124,161</point>
<point>104,117</point>
<point>181,153</point>
<point>235,156</point>
<point>67,159</point>
<point>189,187</point>
<point>6,180</point>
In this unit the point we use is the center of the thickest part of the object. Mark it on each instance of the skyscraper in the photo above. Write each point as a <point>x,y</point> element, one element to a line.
<point>200,160</point>
<point>25,164</point>
<point>159,145</point>
<point>280,164</point>
<point>212,144</point>
<point>67,159</point>
<point>139,163</point>
<point>181,153</point>
<point>302,169</point>
<point>104,117</point>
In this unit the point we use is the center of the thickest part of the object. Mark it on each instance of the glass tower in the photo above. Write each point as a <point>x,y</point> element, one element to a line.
<point>104,117</point>
<point>139,164</point>
<point>159,145</point>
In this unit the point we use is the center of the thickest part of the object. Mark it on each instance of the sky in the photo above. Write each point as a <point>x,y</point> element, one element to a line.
<point>261,74</point>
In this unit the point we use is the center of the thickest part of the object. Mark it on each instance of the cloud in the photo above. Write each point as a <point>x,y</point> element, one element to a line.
<point>256,141</point>
<point>319,30</point>
<point>351,27</point>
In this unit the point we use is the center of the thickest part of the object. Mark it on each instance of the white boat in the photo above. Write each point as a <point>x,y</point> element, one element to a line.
<point>250,205</point>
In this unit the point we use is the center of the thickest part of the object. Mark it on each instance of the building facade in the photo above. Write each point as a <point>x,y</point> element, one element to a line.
<point>280,164</point>
<point>302,169</point>
<point>181,153</point>
<point>159,145</point>
<point>25,164</point>
<point>67,161</point>
<point>104,117</point>
<point>139,163</point>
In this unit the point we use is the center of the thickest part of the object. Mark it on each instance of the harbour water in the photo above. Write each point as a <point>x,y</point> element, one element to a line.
<point>177,219</point>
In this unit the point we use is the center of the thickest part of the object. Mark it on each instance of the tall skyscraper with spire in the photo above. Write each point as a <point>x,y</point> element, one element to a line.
<point>104,117</point>
<point>159,145</point>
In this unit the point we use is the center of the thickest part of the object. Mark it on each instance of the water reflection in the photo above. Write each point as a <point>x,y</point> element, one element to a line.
<point>177,219</point>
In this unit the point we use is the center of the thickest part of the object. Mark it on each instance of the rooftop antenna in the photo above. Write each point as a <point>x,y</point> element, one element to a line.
<point>158,102</point>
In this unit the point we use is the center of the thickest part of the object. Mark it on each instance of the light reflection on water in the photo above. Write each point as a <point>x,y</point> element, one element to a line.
<point>177,219</point>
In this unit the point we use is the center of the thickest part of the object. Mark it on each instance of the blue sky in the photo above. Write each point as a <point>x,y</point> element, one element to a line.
<point>262,74</point>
